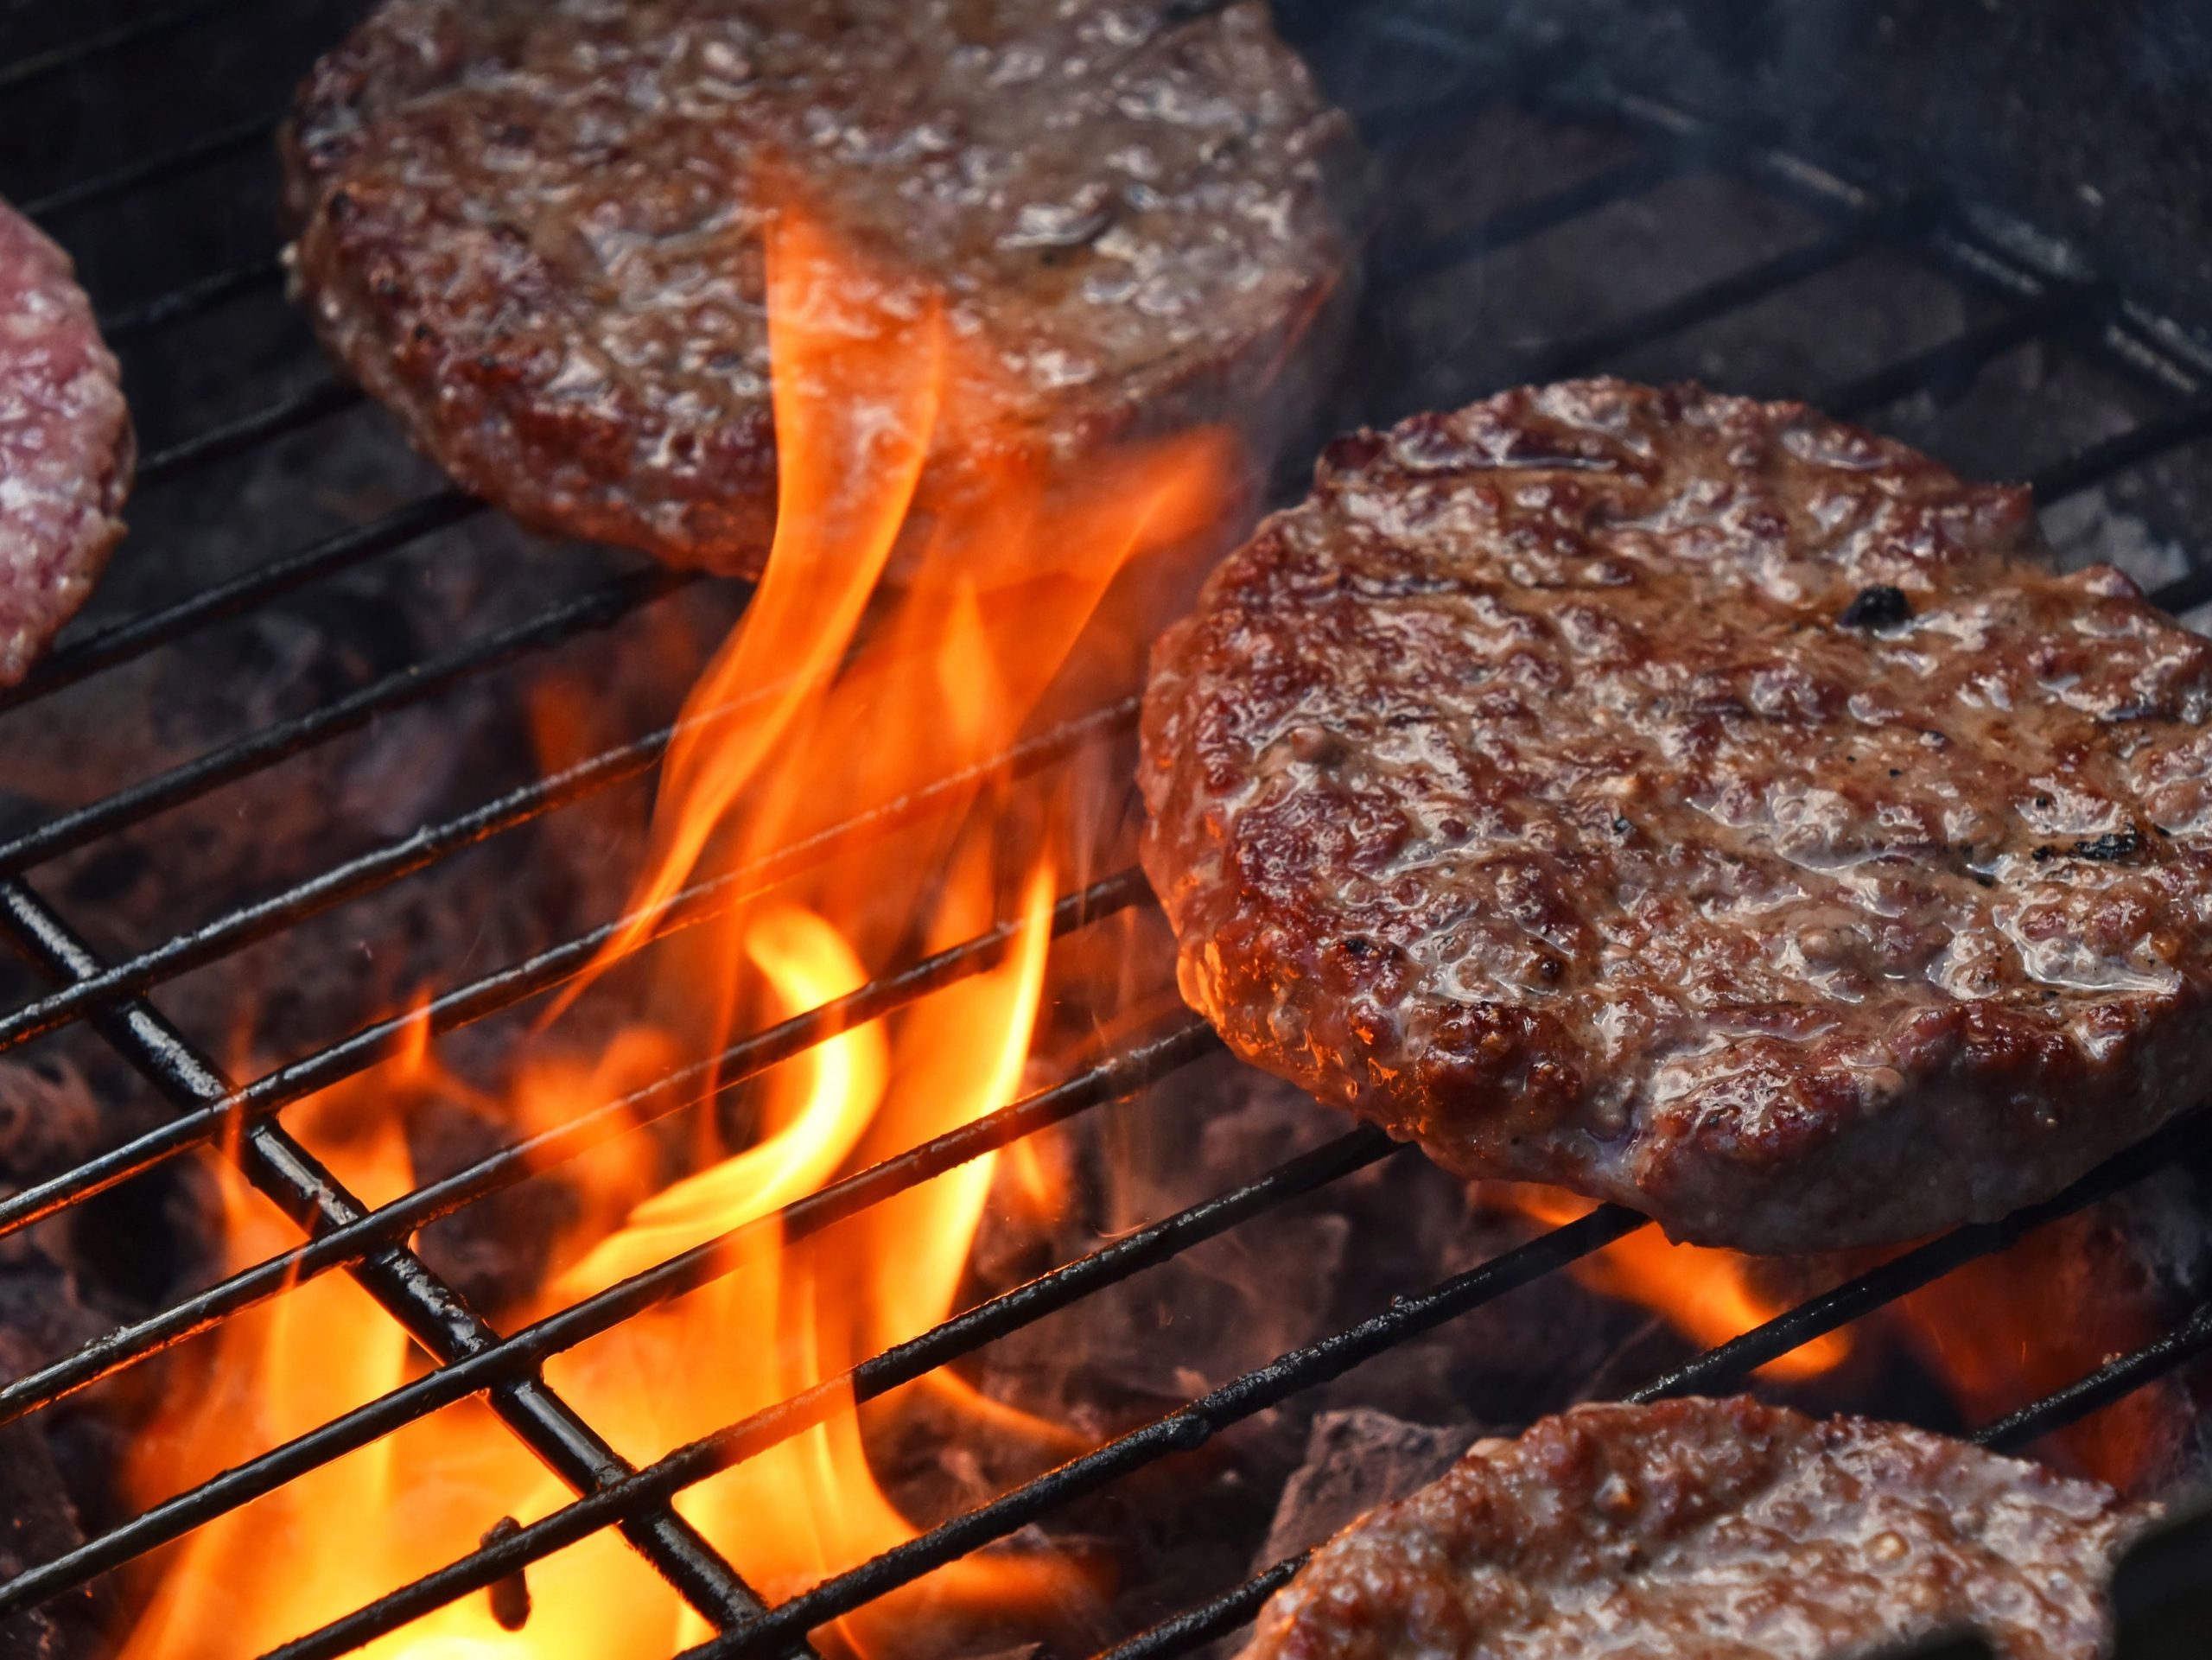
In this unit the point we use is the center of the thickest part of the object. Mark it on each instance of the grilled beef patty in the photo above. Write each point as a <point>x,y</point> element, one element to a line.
<point>1711,1530</point>
<point>1697,803</point>
<point>66,445</point>
<point>533,228</point>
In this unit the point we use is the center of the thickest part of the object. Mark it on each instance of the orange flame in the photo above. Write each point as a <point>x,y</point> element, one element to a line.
<point>1706,1295</point>
<point>2008,1329</point>
<point>857,692</point>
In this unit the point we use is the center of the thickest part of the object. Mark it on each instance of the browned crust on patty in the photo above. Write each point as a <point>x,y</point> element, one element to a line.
<point>533,228</point>
<point>1713,1530</point>
<point>1526,791</point>
<point>67,447</point>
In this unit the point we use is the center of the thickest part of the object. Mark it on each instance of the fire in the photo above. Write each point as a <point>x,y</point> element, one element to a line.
<point>2005,1329</point>
<point>885,649</point>
<point>1706,1295</point>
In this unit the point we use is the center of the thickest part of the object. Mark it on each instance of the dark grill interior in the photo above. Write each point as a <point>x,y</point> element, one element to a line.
<point>1537,225</point>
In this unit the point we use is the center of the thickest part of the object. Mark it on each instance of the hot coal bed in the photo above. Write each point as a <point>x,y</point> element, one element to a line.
<point>300,768</point>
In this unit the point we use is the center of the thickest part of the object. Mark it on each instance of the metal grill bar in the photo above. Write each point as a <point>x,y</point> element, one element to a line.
<point>1731,1362</point>
<point>438,1319</point>
<point>949,1341</point>
<point>2105,1385</point>
<point>367,1237</point>
<point>125,640</point>
<point>689,1085</point>
<point>1214,1617</point>
<point>522,805</point>
<point>1583,353</point>
<point>520,1354</point>
<point>1178,1432</point>
<point>39,64</point>
<point>1953,364</point>
<point>291,413</point>
<point>1527,219</point>
<point>600,609</point>
<point>193,298</point>
<point>224,141</point>
<point>2099,461</point>
<point>502,990</point>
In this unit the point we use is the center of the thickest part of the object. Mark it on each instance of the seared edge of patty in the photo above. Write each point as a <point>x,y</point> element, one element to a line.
<point>1713,1528</point>
<point>462,299</point>
<point>1464,778</point>
<point>67,447</point>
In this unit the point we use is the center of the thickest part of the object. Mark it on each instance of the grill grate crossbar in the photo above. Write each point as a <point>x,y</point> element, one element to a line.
<point>280,417</point>
<point>1180,1431</point>
<point>218,145</point>
<point>522,1352</point>
<point>950,1340</point>
<point>436,1317</point>
<point>556,625</point>
<point>123,641</point>
<point>503,988</point>
<point>370,1244</point>
<point>688,1086</point>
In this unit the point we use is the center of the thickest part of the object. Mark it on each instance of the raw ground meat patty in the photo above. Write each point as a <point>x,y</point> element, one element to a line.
<point>1697,803</point>
<point>65,447</point>
<point>1711,1530</point>
<point>533,228</point>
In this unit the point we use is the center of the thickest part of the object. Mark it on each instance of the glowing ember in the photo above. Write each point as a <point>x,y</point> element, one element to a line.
<point>857,693</point>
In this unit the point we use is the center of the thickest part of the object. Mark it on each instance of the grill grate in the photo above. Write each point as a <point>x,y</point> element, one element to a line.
<point>2024,300</point>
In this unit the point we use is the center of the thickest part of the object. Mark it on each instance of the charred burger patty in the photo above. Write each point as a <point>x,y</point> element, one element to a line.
<point>66,445</point>
<point>534,228</point>
<point>1696,803</point>
<point>1711,1530</point>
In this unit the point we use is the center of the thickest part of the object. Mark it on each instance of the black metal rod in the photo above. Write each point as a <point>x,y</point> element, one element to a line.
<point>438,1318</point>
<point>601,609</point>
<point>2186,592</point>
<point>1191,1427</point>
<point>2103,1386</point>
<point>1954,361</point>
<point>39,65</point>
<point>291,413</point>
<point>520,1354</point>
<point>224,141</point>
<point>2093,463</point>
<point>123,640</point>
<point>192,298</point>
<point>1516,224</point>
<point>1596,348</point>
<point>382,866</point>
<point>1180,1633</point>
<point>953,1340</point>
<point>1726,1365</point>
<point>501,989</point>
<point>689,1085</point>
<point>402,857</point>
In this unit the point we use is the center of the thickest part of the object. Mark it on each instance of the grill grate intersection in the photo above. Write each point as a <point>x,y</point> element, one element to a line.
<point>2037,304</point>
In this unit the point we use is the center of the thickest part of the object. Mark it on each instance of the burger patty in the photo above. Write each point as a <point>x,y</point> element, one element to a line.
<point>533,228</point>
<point>1697,803</point>
<point>1712,1530</point>
<point>66,445</point>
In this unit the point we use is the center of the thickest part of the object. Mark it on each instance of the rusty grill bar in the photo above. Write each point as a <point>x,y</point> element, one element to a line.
<point>341,1233</point>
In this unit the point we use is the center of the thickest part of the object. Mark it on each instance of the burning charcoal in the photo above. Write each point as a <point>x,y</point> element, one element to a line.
<point>1355,1460</point>
<point>495,1251</point>
<point>37,1524</point>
